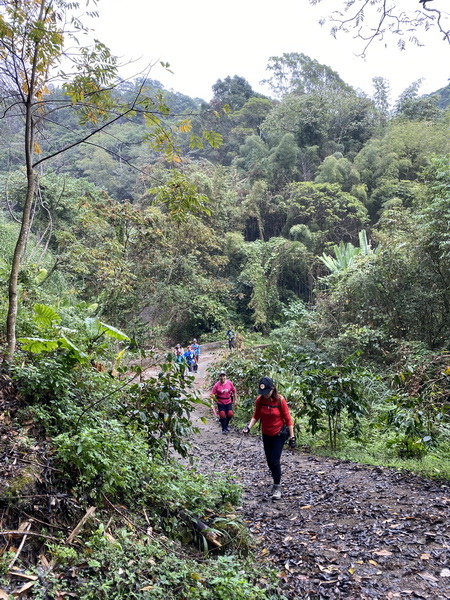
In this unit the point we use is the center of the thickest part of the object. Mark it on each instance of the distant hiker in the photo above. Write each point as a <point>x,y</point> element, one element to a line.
<point>196,350</point>
<point>272,411</point>
<point>224,393</point>
<point>189,357</point>
<point>179,359</point>
<point>179,354</point>
<point>230,337</point>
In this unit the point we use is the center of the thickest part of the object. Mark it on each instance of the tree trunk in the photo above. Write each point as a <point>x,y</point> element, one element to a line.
<point>24,233</point>
<point>15,267</point>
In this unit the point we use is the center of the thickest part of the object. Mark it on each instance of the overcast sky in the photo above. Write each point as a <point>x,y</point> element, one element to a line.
<point>205,41</point>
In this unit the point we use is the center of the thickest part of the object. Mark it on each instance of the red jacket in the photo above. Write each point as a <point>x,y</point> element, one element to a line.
<point>273,414</point>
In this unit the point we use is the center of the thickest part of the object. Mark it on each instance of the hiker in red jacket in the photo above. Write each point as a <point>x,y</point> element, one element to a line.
<point>276,426</point>
<point>224,392</point>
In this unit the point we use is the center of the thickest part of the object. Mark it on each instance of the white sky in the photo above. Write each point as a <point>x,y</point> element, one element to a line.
<point>205,41</point>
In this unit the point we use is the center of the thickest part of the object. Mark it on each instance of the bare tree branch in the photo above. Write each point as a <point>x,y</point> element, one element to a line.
<point>377,20</point>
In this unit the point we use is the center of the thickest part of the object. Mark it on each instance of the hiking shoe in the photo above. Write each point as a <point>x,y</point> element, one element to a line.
<point>276,492</point>
<point>225,431</point>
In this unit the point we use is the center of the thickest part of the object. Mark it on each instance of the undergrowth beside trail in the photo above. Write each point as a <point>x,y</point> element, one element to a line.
<point>149,548</point>
<point>92,503</point>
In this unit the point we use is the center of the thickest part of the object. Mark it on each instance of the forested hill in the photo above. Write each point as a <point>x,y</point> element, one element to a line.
<point>444,97</point>
<point>277,183</point>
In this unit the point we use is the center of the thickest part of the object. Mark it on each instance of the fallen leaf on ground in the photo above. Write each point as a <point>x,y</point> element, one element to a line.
<point>428,576</point>
<point>382,552</point>
<point>24,588</point>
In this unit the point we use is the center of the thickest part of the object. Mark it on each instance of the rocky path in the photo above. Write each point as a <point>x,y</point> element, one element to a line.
<point>341,530</point>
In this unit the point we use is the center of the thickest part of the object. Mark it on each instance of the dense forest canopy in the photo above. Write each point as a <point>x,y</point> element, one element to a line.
<point>292,177</point>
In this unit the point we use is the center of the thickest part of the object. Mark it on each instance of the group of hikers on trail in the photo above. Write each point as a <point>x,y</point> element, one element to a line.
<point>191,355</point>
<point>188,357</point>
<point>271,410</point>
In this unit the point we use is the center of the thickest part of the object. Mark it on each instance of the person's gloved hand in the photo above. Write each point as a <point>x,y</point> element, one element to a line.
<point>292,443</point>
<point>246,429</point>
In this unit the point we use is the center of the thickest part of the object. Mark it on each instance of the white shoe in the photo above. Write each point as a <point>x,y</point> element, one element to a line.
<point>276,492</point>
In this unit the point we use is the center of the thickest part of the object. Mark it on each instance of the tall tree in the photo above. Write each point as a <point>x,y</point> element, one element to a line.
<point>35,37</point>
<point>32,38</point>
<point>232,91</point>
<point>298,73</point>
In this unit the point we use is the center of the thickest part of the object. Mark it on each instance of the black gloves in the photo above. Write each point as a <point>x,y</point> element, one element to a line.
<point>292,443</point>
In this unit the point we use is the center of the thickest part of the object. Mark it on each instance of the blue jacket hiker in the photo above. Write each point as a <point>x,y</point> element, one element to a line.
<point>195,346</point>
<point>189,357</point>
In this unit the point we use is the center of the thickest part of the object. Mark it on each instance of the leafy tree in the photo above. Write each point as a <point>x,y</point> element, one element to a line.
<point>283,162</point>
<point>434,212</point>
<point>337,169</point>
<point>400,153</point>
<point>261,274</point>
<point>381,98</point>
<point>332,215</point>
<point>32,42</point>
<point>402,289</point>
<point>232,91</point>
<point>253,113</point>
<point>297,73</point>
<point>331,120</point>
<point>444,97</point>
<point>265,213</point>
<point>419,109</point>
<point>329,391</point>
<point>253,158</point>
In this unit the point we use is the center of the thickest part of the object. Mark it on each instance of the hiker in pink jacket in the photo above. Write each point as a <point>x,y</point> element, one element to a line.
<point>224,393</point>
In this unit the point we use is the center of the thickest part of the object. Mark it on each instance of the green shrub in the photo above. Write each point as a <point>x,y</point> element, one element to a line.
<point>157,571</point>
<point>176,487</point>
<point>161,407</point>
<point>108,458</point>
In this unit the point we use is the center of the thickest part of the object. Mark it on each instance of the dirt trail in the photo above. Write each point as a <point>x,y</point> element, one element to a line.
<point>341,530</point>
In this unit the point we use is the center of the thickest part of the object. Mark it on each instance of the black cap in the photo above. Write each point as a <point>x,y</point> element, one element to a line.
<point>222,373</point>
<point>265,385</point>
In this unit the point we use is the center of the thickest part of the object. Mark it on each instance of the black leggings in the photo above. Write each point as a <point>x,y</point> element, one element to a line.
<point>273,447</point>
